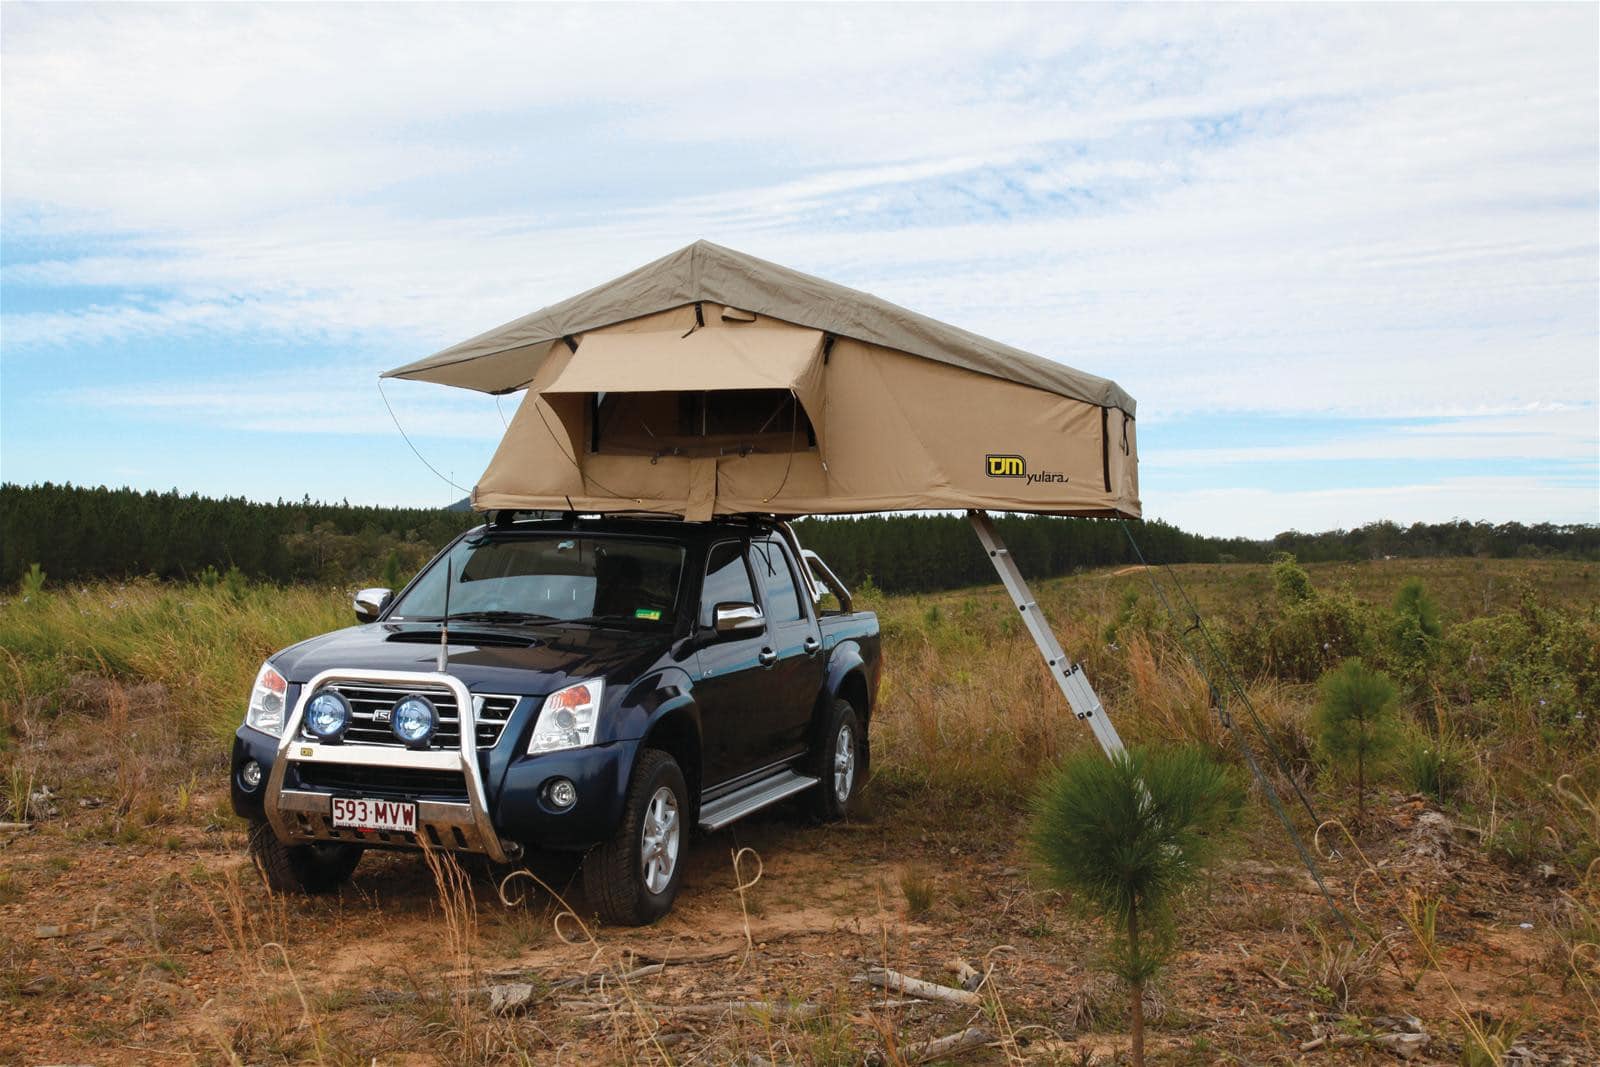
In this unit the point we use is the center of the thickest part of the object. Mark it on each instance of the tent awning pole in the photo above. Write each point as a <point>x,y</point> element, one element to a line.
<point>1068,675</point>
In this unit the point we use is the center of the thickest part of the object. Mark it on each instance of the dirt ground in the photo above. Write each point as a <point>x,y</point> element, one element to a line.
<point>160,945</point>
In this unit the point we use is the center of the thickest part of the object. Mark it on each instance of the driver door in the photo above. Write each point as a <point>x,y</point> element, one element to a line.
<point>732,687</point>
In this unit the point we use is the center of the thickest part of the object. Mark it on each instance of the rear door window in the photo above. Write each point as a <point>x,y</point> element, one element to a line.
<point>772,571</point>
<point>727,580</point>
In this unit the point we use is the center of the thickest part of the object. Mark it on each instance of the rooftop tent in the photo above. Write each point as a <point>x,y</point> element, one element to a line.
<point>713,383</point>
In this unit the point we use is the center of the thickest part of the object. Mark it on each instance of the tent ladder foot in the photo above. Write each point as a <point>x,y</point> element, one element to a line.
<point>1068,675</point>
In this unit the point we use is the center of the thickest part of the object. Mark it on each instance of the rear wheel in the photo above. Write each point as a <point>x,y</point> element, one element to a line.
<point>633,878</point>
<point>301,868</point>
<point>839,763</point>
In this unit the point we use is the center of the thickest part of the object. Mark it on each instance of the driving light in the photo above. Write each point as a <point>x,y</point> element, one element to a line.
<point>250,775</point>
<point>568,718</point>
<point>561,793</point>
<point>414,720</point>
<point>265,710</point>
<point>327,715</point>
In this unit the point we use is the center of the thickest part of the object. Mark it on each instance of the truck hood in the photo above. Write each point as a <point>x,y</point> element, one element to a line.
<point>521,661</point>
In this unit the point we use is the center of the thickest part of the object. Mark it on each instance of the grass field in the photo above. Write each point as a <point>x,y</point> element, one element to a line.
<point>131,927</point>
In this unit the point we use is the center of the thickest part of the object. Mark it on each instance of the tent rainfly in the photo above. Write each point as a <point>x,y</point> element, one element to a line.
<point>713,383</point>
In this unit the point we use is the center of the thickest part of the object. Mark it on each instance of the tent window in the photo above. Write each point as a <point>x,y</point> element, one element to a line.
<point>745,412</point>
<point>700,422</point>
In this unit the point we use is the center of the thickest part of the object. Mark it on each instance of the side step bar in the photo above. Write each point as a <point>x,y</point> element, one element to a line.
<point>723,811</point>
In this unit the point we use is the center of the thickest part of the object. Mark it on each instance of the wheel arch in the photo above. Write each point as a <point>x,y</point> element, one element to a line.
<point>675,729</point>
<point>847,680</point>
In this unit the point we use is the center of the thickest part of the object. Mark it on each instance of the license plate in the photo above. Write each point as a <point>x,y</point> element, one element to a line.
<point>364,814</point>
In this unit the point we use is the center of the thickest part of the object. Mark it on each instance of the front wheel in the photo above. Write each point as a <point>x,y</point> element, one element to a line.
<point>632,879</point>
<point>839,763</point>
<point>301,868</point>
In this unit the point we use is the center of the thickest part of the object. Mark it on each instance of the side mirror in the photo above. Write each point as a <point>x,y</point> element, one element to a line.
<point>735,619</point>
<point>369,603</point>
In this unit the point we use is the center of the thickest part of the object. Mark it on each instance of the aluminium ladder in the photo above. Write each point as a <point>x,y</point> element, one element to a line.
<point>1068,675</point>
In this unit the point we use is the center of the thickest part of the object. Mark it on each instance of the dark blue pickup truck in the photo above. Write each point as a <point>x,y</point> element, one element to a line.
<point>597,685</point>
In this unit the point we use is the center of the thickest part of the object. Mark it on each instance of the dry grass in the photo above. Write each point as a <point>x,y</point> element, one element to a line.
<point>117,697</point>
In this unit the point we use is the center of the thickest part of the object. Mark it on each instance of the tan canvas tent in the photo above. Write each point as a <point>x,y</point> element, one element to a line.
<point>713,383</point>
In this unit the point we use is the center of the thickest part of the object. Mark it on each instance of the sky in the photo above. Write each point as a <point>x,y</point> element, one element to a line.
<point>1347,259</point>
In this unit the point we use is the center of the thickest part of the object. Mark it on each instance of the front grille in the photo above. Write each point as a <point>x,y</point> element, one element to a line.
<point>384,781</point>
<point>368,698</point>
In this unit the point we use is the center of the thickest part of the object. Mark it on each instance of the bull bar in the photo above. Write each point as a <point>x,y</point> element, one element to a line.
<point>305,815</point>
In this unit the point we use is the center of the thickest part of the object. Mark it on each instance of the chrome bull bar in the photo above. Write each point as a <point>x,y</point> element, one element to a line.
<point>306,815</point>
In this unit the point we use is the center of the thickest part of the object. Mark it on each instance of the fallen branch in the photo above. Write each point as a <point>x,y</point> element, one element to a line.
<point>895,982</point>
<point>965,973</point>
<point>973,1037</point>
<point>723,952</point>
<point>800,1012</point>
<point>1274,979</point>
<point>678,959</point>
<point>1403,1045</point>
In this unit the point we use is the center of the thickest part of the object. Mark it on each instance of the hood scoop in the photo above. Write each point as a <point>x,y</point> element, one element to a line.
<point>459,636</point>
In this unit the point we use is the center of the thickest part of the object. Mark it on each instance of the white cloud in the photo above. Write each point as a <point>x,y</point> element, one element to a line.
<point>329,400</point>
<point>1361,211</point>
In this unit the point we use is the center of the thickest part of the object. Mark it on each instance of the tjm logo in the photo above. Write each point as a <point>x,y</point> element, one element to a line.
<point>999,466</point>
<point>1007,467</point>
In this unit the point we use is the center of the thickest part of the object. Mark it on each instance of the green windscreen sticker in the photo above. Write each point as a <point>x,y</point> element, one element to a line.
<point>653,614</point>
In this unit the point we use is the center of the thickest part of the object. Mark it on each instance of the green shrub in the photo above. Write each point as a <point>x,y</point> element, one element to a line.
<point>1540,657</point>
<point>393,577</point>
<point>1355,722</point>
<point>1134,613</point>
<point>236,585</point>
<point>1315,634</point>
<point>1125,835</point>
<point>1435,767</point>
<point>1414,631</point>
<point>1290,580</point>
<point>32,582</point>
<point>1515,842</point>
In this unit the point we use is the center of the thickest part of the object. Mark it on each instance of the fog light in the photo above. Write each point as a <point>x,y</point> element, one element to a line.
<point>250,775</point>
<point>414,720</point>
<point>561,793</point>
<point>327,715</point>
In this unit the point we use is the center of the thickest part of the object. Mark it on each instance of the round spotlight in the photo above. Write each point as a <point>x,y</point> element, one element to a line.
<point>561,793</point>
<point>414,720</point>
<point>327,715</point>
<point>250,775</point>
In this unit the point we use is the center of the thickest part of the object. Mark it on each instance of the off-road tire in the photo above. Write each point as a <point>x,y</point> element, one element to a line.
<point>301,868</point>
<point>825,802</point>
<point>614,870</point>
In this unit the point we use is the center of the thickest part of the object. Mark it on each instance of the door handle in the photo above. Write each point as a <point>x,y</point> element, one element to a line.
<point>767,657</point>
<point>812,646</point>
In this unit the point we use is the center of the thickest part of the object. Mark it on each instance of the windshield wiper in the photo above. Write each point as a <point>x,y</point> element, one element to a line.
<point>490,616</point>
<point>628,622</point>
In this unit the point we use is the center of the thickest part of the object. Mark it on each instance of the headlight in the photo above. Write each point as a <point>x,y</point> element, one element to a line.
<point>568,718</point>
<point>327,715</point>
<point>265,711</point>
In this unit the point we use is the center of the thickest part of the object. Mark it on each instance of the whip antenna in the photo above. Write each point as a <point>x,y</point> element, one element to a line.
<point>444,624</point>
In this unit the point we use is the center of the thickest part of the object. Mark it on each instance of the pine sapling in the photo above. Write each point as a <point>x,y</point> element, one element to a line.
<point>1355,722</point>
<point>1125,836</point>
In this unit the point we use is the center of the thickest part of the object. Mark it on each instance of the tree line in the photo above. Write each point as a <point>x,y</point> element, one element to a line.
<point>77,534</point>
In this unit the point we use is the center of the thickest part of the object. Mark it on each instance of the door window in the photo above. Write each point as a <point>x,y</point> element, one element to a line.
<point>727,580</point>
<point>772,570</point>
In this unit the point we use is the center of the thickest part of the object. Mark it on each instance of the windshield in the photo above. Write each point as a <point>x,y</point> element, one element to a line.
<point>554,577</point>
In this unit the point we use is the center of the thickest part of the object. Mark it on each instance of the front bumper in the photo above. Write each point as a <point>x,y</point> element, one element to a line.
<point>496,808</point>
